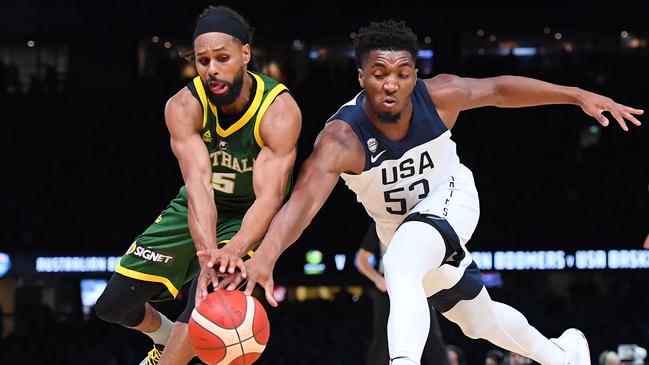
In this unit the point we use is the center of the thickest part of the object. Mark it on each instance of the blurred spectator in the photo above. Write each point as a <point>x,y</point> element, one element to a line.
<point>608,358</point>
<point>455,355</point>
<point>516,359</point>
<point>495,357</point>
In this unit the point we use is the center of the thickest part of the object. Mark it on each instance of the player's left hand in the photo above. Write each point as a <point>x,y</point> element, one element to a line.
<point>206,276</point>
<point>594,105</point>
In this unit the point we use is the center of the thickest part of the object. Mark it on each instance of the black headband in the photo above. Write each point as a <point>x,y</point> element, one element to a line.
<point>220,24</point>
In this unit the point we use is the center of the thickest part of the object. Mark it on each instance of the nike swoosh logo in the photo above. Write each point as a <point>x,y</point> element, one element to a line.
<point>376,157</point>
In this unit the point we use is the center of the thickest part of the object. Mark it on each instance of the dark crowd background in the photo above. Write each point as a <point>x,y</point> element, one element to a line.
<point>86,163</point>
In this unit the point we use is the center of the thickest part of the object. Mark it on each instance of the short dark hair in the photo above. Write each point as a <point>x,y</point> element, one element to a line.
<point>387,35</point>
<point>228,12</point>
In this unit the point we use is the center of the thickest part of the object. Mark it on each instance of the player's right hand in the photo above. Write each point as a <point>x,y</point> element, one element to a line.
<point>260,270</point>
<point>226,259</point>
<point>208,259</point>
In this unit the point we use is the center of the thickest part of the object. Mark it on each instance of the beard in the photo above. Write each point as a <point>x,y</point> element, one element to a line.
<point>234,90</point>
<point>388,118</point>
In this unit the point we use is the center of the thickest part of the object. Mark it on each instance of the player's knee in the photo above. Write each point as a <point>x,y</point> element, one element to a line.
<point>477,330</point>
<point>116,311</point>
<point>108,310</point>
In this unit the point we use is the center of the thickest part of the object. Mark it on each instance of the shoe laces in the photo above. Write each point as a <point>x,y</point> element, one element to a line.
<point>153,356</point>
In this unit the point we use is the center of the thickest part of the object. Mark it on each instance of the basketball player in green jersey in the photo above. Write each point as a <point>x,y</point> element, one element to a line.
<point>234,133</point>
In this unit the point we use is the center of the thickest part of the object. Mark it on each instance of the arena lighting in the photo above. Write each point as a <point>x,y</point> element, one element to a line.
<point>426,54</point>
<point>5,264</point>
<point>567,46</point>
<point>340,260</point>
<point>480,32</point>
<point>314,265</point>
<point>91,289</point>
<point>315,261</point>
<point>524,51</point>
<point>76,264</point>
<point>297,45</point>
<point>624,34</point>
<point>561,260</point>
<point>634,43</point>
<point>547,30</point>
<point>558,36</point>
<point>31,44</point>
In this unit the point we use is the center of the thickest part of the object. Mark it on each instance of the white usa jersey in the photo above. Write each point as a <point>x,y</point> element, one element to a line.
<point>398,175</point>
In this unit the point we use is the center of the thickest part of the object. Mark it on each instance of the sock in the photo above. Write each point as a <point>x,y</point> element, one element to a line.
<point>161,335</point>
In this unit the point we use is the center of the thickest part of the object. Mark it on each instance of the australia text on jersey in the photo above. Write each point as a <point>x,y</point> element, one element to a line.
<point>222,158</point>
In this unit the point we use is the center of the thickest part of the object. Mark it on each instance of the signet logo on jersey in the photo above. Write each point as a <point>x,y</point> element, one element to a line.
<point>151,255</point>
<point>372,144</point>
<point>223,145</point>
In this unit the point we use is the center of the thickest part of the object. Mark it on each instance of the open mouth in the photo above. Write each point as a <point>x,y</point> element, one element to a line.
<point>218,88</point>
<point>389,102</point>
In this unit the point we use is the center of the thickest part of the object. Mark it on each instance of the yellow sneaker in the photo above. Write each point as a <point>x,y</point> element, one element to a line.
<point>153,356</point>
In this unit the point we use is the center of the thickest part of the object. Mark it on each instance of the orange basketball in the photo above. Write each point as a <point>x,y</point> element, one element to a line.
<point>229,328</point>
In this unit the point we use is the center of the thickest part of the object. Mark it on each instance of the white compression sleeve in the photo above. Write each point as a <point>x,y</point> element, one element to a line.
<point>504,326</point>
<point>415,249</point>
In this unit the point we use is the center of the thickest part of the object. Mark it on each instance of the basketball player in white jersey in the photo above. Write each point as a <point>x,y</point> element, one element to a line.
<point>392,146</point>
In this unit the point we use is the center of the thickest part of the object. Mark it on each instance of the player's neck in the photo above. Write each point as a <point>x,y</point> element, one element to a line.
<point>394,131</point>
<point>242,101</point>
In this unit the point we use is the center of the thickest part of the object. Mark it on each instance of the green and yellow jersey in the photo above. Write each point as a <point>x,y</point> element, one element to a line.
<point>165,252</point>
<point>233,150</point>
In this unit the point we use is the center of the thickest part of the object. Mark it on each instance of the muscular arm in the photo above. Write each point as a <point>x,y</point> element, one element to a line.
<point>183,115</point>
<point>336,150</point>
<point>452,94</point>
<point>279,129</point>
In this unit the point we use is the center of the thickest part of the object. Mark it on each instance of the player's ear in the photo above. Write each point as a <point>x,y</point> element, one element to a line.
<point>245,49</point>
<point>360,78</point>
<point>416,72</point>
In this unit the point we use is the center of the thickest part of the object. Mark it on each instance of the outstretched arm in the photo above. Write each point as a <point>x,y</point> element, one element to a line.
<point>452,94</point>
<point>279,130</point>
<point>183,116</point>
<point>336,150</point>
